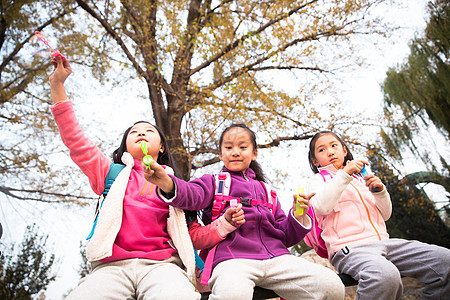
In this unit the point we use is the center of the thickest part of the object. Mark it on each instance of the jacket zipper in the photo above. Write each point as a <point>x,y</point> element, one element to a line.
<point>255,196</point>
<point>367,210</point>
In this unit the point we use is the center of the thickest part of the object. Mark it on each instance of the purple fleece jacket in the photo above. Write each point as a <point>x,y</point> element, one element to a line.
<point>263,236</point>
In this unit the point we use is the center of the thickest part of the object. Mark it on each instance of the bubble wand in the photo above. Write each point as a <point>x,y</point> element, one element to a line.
<point>299,210</point>
<point>365,173</point>
<point>148,159</point>
<point>54,52</point>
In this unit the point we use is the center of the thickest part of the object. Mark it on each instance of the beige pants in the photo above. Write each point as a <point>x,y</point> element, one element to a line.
<point>136,279</point>
<point>289,276</point>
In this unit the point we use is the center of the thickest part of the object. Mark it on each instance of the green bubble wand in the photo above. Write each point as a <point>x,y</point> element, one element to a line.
<point>148,159</point>
<point>299,210</point>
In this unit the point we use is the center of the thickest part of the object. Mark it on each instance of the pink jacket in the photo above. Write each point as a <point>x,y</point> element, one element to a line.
<point>347,212</point>
<point>143,232</point>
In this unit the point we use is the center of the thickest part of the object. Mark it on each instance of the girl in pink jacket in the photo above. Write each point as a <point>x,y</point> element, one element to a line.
<point>140,248</point>
<point>352,211</point>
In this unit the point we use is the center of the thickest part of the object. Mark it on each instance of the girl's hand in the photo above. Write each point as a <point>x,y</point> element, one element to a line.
<point>57,77</point>
<point>157,175</point>
<point>354,166</point>
<point>61,72</point>
<point>235,215</point>
<point>304,202</point>
<point>374,183</point>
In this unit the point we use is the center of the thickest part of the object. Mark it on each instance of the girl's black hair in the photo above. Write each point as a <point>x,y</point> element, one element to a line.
<point>312,146</point>
<point>164,158</point>
<point>254,165</point>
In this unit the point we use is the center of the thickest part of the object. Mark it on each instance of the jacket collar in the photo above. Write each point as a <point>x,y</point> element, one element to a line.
<point>330,169</point>
<point>249,173</point>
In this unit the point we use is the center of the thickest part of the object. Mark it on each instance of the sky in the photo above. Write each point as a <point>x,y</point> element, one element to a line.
<point>68,226</point>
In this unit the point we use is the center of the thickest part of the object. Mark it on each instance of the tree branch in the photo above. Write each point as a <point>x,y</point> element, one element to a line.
<point>9,192</point>
<point>249,34</point>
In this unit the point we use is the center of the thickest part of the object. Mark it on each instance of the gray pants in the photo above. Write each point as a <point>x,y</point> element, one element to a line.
<point>289,276</point>
<point>136,279</point>
<point>379,266</point>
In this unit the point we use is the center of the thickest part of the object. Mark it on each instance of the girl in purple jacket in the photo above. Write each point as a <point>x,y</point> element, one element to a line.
<point>256,253</point>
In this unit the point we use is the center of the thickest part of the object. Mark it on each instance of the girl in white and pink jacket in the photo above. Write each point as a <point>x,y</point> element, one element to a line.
<point>352,211</point>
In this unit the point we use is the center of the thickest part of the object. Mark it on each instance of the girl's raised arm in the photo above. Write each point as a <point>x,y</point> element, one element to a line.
<point>57,77</point>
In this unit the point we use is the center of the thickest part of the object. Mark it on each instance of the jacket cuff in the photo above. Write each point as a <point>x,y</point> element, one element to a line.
<point>223,227</point>
<point>167,197</point>
<point>309,227</point>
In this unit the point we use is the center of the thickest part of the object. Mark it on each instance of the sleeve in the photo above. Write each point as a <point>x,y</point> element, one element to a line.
<point>293,230</point>
<point>82,151</point>
<point>383,203</point>
<point>196,194</point>
<point>209,235</point>
<point>327,193</point>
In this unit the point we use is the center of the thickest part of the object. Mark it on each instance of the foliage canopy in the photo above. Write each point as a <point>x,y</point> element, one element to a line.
<point>205,64</point>
<point>417,92</point>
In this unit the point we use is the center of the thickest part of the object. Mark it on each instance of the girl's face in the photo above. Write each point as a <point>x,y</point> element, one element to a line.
<point>329,150</point>
<point>144,132</point>
<point>237,150</point>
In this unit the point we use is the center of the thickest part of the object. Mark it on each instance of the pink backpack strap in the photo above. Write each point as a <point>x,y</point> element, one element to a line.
<point>272,197</point>
<point>313,238</point>
<point>222,192</point>
<point>207,270</point>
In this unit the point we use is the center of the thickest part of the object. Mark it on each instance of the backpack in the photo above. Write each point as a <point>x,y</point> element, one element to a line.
<point>221,198</point>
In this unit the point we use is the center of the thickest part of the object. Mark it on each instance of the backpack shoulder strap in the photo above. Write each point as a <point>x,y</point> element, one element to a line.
<point>272,197</point>
<point>114,170</point>
<point>325,175</point>
<point>222,191</point>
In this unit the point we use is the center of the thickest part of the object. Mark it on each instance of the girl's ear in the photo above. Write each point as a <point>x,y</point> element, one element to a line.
<point>315,162</point>
<point>255,154</point>
<point>220,156</point>
<point>161,148</point>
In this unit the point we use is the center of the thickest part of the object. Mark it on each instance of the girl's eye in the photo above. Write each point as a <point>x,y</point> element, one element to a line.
<point>320,150</point>
<point>133,131</point>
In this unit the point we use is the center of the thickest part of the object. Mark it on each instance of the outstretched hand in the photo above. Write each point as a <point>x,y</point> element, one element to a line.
<point>62,70</point>
<point>304,203</point>
<point>157,175</point>
<point>57,77</point>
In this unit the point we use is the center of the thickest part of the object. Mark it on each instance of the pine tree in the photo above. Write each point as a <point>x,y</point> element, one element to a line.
<point>30,271</point>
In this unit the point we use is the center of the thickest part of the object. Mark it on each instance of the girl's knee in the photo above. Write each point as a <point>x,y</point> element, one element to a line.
<point>177,294</point>
<point>332,286</point>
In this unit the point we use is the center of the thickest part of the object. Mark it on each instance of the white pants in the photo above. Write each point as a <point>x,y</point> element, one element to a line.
<point>289,276</point>
<point>136,279</point>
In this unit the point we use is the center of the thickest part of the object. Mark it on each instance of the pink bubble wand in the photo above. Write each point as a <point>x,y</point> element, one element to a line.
<point>54,52</point>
